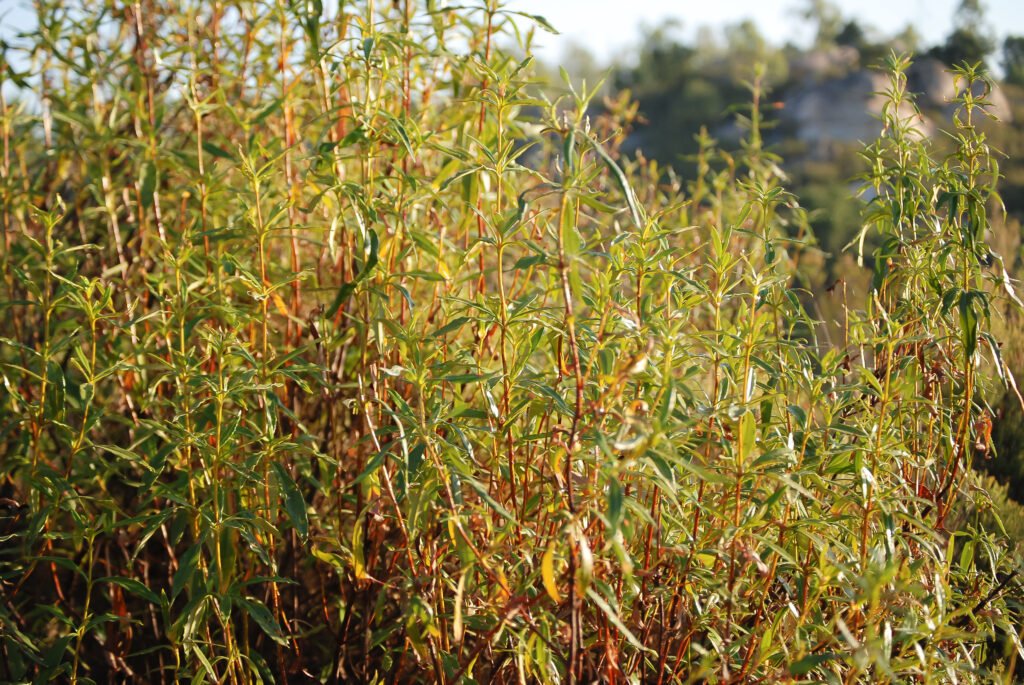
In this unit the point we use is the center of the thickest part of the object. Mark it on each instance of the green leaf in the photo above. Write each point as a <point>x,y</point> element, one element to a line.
<point>207,666</point>
<point>294,503</point>
<point>809,663</point>
<point>452,325</point>
<point>526,262</point>
<point>187,564</point>
<point>968,323</point>
<point>491,502</point>
<point>370,259</point>
<point>544,23</point>
<point>344,292</point>
<point>616,500</point>
<point>613,617</point>
<point>147,183</point>
<point>133,586</point>
<point>263,618</point>
<point>620,177</point>
<point>267,110</point>
<point>571,241</point>
<point>54,654</point>
<point>216,150</point>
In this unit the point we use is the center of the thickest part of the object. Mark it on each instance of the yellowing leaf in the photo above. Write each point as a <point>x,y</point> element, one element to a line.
<point>327,558</point>
<point>585,573</point>
<point>503,584</point>
<point>442,268</point>
<point>547,574</point>
<point>358,556</point>
<point>748,428</point>
<point>706,560</point>
<point>279,304</point>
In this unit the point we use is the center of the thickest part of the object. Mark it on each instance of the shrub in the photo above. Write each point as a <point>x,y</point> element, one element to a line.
<point>332,353</point>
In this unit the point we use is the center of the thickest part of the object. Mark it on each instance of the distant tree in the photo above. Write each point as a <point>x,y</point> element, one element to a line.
<point>970,14</point>
<point>852,34</point>
<point>970,41</point>
<point>746,35</point>
<point>663,60</point>
<point>963,45</point>
<point>746,46</point>
<point>681,87</point>
<point>855,36</point>
<point>907,40</point>
<point>827,20</point>
<point>706,42</point>
<point>1013,59</point>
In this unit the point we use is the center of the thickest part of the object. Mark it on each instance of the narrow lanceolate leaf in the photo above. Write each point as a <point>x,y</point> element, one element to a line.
<point>541,21</point>
<point>259,613</point>
<point>370,258</point>
<point>635,212</point>
<point>491,502</point>
<point>358,552</point>
<point>809,663</point>
<point>187,565</point>
<point>147,183</point>
<point>1007,282</point>
<point>134,586</point>
<point>547,573</point>
<point>294,503</point>
<point>616,502</point>
<point>615,620</point>
<point>748,428</point>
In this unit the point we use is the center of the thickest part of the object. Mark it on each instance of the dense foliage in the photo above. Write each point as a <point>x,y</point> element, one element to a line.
<point>687,84</point>
<point>334,354</point>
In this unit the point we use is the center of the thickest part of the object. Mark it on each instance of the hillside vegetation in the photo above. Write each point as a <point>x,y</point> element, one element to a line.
<point>334,352</point>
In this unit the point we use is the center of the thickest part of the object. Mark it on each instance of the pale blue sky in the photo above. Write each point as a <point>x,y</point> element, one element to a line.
<point>606,27</point>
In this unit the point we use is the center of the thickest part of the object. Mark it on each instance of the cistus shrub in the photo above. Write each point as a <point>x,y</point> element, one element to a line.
<point>333,352</point>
